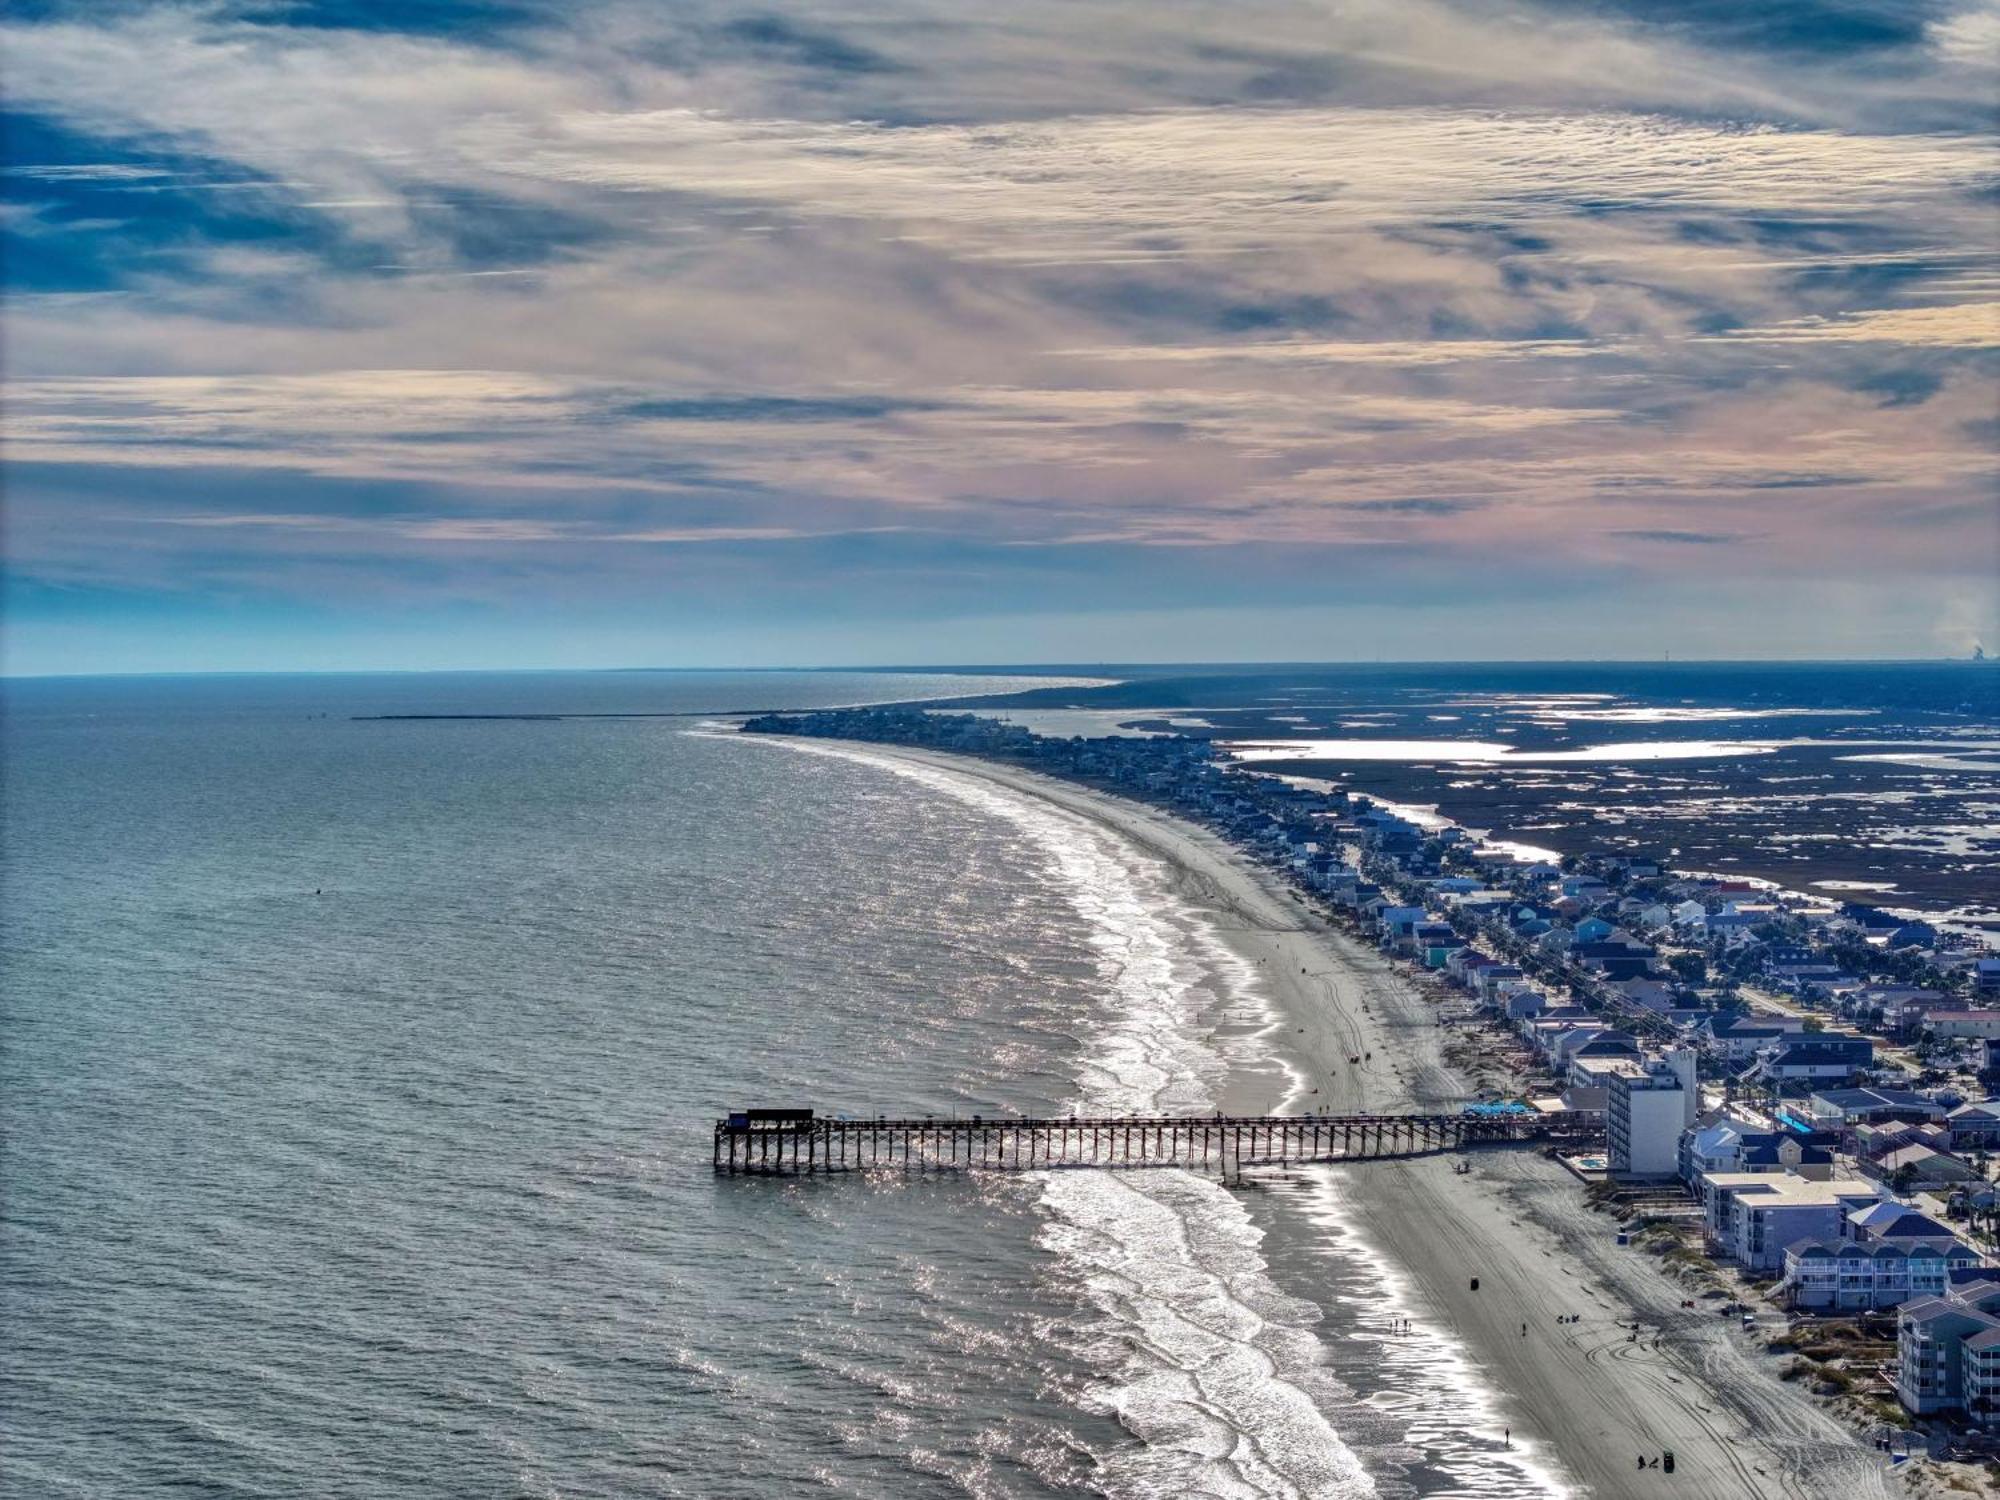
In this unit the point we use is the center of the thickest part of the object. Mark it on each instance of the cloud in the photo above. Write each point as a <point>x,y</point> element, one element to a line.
<point>502,530</point>
<point>1223,181</point>
<point>1684,538</point>
<point>1566,286</point>
<point>1964,325</point>
<point>1418,505</point>
<point>1379,353</point>
<point>103,172</point>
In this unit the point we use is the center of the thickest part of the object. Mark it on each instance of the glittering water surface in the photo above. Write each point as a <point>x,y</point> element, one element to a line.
<point>356,1104</point>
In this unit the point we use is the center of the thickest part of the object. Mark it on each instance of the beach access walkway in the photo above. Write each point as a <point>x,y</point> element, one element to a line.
<point>774,1142</point>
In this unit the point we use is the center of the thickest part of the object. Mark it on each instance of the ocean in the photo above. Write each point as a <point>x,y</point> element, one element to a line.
<point>357,1089</point>
<point>358,1079</point>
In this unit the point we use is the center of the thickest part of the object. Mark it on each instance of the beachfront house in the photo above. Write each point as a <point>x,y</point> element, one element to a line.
<point>1465,965</point>
<point>1396,922</point>
<point>1588,1084</point>
<point>1434,942</point>
<point>1750,1217</point>
<point>1948,1349</point>
<point>1590,1043</point>
<point>1524,1004</point>
<point>1497,980</point>
<point>1856,1276</point>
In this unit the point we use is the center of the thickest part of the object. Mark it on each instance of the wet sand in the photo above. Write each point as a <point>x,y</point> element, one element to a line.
<point>1584,1393</point>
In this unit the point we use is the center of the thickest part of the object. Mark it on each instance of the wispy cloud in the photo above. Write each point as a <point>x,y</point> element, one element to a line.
<point>1536,288</point>
<point>1684,538</point>
<point>1964,325</point>
<point>501,530</point>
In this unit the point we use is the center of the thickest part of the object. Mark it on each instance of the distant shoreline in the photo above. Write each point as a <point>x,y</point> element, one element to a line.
<point>1110,673</point>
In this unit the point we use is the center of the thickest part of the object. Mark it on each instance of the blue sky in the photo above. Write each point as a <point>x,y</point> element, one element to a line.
<point>358,335</point>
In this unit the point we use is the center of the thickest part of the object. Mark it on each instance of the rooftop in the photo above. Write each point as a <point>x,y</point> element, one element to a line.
<point>1782,1190</point>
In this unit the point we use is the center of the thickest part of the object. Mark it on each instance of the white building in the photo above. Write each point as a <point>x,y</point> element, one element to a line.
<point>1648,1105</point>
<point>1983,1024</point>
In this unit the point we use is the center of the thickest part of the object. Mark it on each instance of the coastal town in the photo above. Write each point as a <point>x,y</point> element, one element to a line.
<point>1799,1097</point>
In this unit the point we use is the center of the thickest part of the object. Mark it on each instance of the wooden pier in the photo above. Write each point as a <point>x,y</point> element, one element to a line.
<point>772,1142</point>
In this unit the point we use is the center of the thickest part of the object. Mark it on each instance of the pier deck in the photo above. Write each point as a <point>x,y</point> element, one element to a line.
<point>789,1142</point>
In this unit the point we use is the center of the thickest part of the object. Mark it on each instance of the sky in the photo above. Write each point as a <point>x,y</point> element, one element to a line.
<point>496,333</point>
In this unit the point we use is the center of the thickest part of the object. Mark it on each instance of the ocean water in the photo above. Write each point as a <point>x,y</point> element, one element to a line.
<point>356,1099</point>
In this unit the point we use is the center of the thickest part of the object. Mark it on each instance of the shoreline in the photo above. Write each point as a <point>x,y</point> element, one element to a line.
<point>1585,1393</point>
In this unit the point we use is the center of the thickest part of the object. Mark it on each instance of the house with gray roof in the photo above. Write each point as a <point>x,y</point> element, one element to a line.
<point>1853,1276</point>
<point>1976,1124</point>
<point>1948,1349</point>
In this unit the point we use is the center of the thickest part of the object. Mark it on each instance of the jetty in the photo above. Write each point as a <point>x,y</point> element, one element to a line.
<point>788,1142</point>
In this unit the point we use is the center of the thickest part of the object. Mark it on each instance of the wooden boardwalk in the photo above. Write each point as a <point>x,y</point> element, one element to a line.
<point>773,1142</point>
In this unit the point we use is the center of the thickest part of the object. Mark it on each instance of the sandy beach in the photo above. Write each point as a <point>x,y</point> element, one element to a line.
<point>1586,1393</point>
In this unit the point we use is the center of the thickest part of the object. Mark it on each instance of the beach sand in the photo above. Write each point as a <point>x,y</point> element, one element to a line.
<point>1584,1392</point>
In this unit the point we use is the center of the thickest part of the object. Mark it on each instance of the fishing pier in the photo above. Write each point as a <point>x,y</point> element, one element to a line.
<point>788,1142</point>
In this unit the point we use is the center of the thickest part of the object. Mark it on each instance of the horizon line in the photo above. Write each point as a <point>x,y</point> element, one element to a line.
<point>1037,667</point>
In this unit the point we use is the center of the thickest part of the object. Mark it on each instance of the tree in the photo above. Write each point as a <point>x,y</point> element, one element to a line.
<point>1690,967</point>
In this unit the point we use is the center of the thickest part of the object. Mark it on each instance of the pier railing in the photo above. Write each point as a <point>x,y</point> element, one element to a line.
<point>787,1142</point>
